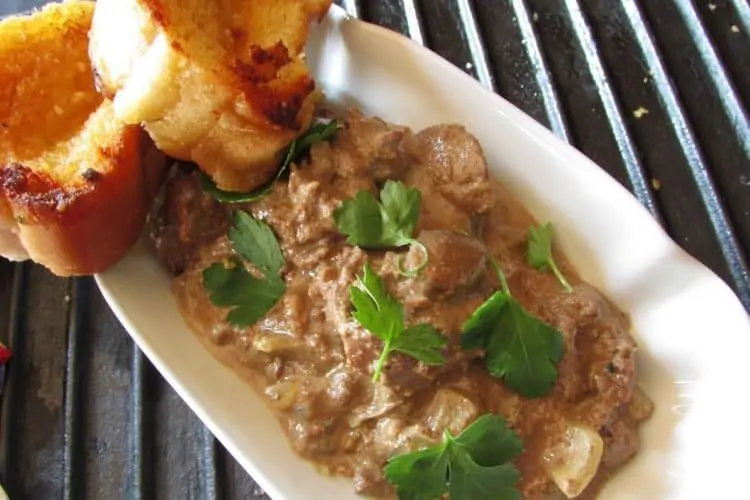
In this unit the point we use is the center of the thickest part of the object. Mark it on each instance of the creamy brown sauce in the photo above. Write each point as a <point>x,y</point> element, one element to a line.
<point>314,363</point>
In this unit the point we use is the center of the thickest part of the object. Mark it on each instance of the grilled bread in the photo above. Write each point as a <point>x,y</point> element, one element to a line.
<point>222,83</point>
<point>75,181</point>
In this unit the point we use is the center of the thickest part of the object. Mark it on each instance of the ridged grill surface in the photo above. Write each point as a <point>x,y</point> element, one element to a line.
<point>85,416</point>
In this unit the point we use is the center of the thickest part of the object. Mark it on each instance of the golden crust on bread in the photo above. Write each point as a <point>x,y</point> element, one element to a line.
<point>75,182</point>
<point>221,83</point>
<point>47,91</point>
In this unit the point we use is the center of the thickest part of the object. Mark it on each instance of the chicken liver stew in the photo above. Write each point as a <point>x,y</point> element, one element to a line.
<point>385,295</point>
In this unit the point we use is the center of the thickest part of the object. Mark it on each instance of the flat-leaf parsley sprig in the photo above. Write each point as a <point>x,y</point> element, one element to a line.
<point>383,316</point>
<point>317,133</point>
<point>521,349</point>
<point>540,256</point>
<point>250,297</point>
<point>475,465</point>
<point>388,223</point>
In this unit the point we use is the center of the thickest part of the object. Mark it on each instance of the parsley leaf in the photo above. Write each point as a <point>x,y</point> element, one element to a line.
<point>526,352</point>
<point>390,222</point>
<point>540,255</point>
<point>249,297</point>
<point>421,475</point>
<point>374,309</point>
<point>383,316</point>
<point>233,286</point>
<point>255,241</point>
<point>521,349</point>
<point>317,133</point>
<point>401,212</point>
<point>475,465</point>
<point>423,342</point>
<point>361,220</point>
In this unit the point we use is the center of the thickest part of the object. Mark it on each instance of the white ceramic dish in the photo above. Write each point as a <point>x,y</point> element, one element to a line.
<point>693,332</point>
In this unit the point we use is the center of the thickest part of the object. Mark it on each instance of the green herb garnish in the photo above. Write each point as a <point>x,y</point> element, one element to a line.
<point>521,349</point>
<point>383,316</point>
<point>540,253</point>
<point>390,222</point>
<point>249,296</point>
<point>317,133</point>
<point>475,465</point>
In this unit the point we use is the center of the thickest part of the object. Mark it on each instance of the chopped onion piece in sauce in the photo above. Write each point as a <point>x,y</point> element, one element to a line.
<point>574,463</point>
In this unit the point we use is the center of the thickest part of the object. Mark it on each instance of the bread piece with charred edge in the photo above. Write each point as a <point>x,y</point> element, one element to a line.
<point>222,83</point>
<point>75,182</point>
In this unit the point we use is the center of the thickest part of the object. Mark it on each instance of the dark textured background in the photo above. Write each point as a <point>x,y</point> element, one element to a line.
<point>85,416</point>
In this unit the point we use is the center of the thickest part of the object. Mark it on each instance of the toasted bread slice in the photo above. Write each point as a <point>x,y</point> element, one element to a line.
<point>75,182</point>
<point>221,83</point>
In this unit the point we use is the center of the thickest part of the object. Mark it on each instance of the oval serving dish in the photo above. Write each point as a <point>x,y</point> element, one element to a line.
<point>694,334</point>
